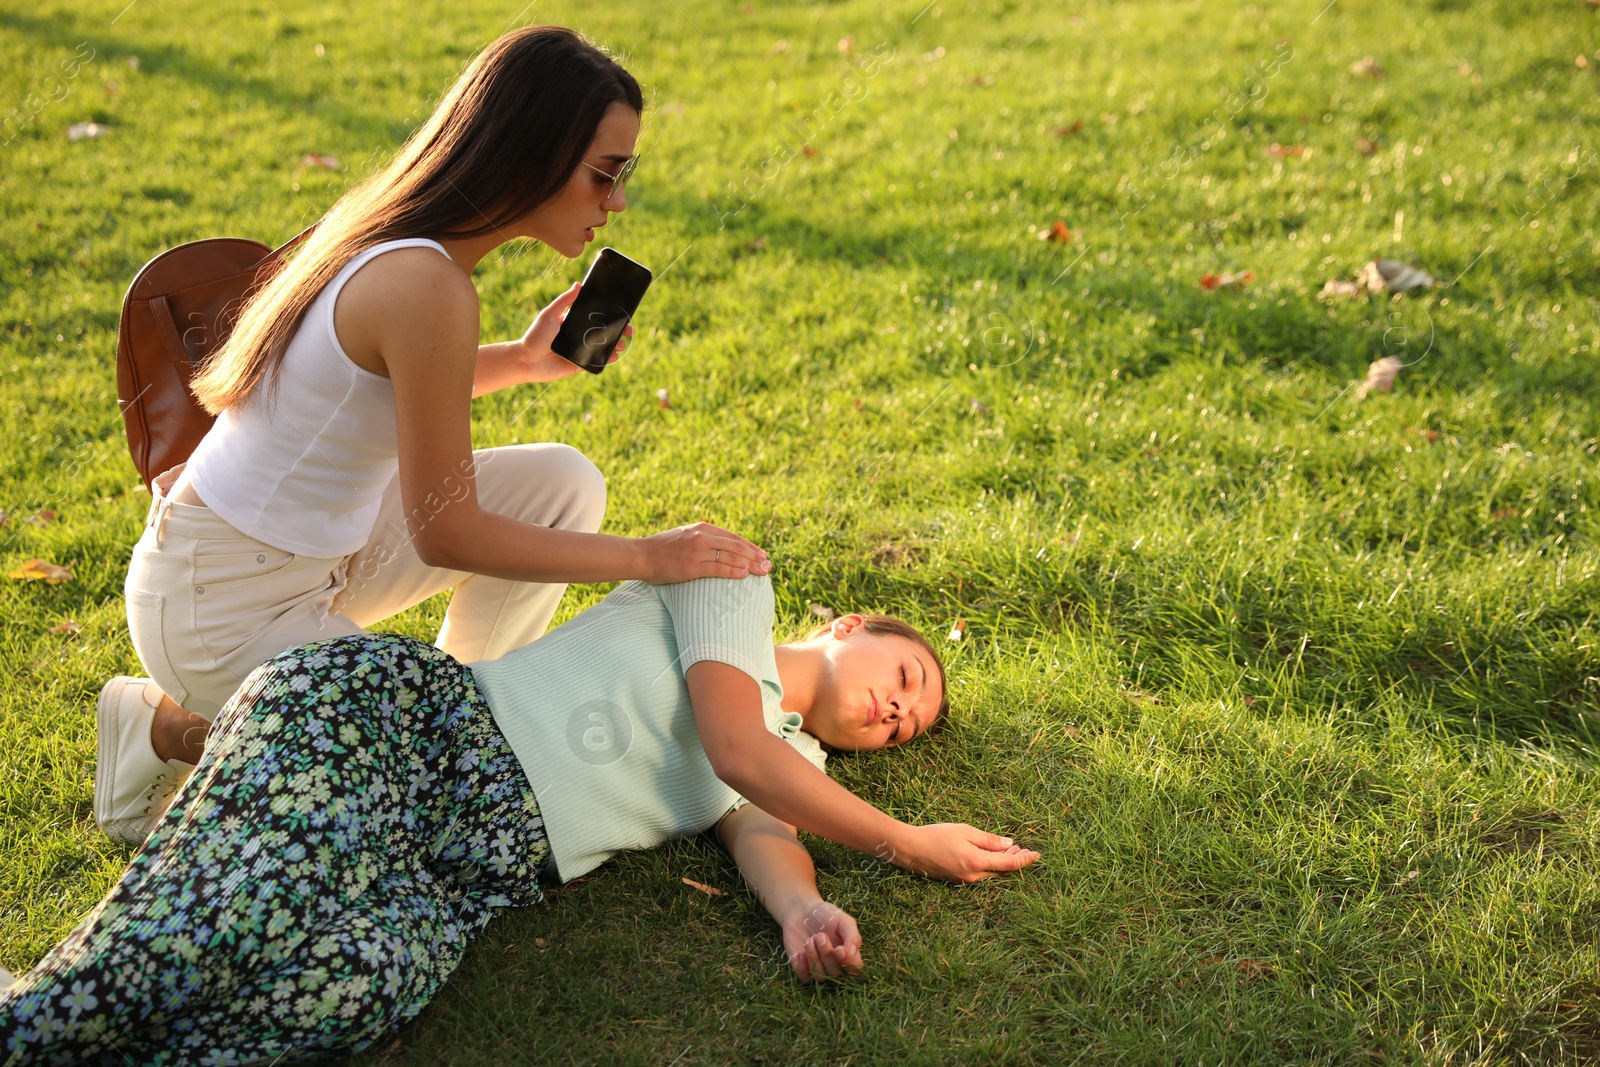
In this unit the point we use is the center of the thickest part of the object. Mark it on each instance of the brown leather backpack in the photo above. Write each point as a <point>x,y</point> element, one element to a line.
<point>181,305</point>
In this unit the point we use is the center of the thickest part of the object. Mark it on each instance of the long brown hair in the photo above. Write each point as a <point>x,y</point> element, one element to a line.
<point>506,138</point>
<point>889,626</point>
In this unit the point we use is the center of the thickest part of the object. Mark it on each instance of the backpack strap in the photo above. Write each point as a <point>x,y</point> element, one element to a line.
<point>161,311</point>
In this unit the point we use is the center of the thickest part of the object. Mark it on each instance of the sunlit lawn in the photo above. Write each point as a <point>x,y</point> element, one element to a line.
<point>1295,690</point>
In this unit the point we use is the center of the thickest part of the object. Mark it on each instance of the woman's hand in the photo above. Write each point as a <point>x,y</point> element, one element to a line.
<point>535,361</point>
<point>960,853</point>
<point>821,942</point>
<point>700,550</point>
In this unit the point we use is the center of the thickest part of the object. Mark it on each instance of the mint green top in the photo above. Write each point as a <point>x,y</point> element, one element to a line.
<point>597,711</point>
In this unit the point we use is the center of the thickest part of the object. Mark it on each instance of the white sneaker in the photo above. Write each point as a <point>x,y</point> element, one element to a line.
<point>133,787</point>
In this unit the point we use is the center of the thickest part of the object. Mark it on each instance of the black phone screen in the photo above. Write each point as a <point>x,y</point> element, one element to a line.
<point>609,296</point>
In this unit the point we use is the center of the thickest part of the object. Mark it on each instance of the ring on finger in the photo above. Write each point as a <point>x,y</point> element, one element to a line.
<point>718,558</point>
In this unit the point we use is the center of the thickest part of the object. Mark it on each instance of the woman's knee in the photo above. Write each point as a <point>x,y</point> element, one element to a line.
<point>590,489</point>
<point>552,484</point>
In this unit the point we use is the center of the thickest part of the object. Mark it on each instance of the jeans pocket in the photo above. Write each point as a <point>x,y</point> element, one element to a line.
<point>223,563</point>
<point>237,595</point>
<point>145,614</point>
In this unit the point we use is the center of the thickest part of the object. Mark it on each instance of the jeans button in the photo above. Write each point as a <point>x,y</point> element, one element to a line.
<point>199,590</point>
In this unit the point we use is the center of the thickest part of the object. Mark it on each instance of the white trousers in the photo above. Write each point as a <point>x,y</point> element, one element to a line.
<point>208,604</point>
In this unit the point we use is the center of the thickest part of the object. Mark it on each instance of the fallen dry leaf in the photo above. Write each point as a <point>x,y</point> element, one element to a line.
<point>664,398</point>
<point>1057,232</point>
<point>821,611</point>
<point>891,554</point>
<point>38,570</point>
<point>1072,732</point>
<point>5,516</point>
<point>1366,146</point>
<point>42,517</point>
<point>982,81</point>
<point>80,131</point>
<point>847,45</point>
<point>1391,275</point>
<point>1368,66</point>
<point>1235,280</point>
<point>708,890</point>
<point>1380,376</point>
<point>1504,513</point>
<point>1067,131</point>
<point>978,407</point>
<point>1334,288</point>
<point>811,153</point>
<point>111,89</point>
<point>1254,968</point>
<point>311,159</point>
<point>69,627</point>
<point>1287,151</point>
<point>1140,694</point>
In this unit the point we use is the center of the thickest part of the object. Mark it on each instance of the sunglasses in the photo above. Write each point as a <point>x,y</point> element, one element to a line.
<point>620,178</point>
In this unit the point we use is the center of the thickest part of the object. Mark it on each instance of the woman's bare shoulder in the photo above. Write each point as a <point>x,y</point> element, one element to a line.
<point>398,279</point>
<point>397,295</point>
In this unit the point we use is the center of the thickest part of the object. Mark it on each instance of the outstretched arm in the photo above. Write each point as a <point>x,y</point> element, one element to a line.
<point>769,772</point>
<point>820,940</point>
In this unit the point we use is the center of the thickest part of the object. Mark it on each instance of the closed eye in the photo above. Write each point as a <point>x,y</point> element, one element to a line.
<point>896,735</point>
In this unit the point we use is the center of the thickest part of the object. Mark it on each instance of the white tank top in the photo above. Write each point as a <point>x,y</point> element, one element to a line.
<point>304,470</point>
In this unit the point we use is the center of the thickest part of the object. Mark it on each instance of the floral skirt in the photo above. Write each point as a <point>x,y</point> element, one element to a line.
<point>356,819</point>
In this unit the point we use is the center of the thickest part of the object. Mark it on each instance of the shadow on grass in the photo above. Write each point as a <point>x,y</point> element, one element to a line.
<point>366,128</point>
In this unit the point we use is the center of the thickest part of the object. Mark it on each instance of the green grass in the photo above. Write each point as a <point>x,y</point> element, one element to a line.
<point>1295,692</point>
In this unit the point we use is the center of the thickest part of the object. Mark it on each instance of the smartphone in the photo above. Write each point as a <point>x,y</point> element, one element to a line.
<point>609,296</point>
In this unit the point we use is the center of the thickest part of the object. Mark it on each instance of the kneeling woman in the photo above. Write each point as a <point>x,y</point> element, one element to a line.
<point>365,805</point>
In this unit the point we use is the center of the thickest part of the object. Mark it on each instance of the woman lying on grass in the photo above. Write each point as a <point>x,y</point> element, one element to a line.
<point>365,805</point>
